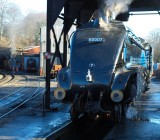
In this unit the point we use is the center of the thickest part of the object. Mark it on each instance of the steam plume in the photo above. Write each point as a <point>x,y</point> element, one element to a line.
<point>116,7</point>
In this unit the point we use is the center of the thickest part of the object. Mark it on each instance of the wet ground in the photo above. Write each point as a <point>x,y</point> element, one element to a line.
<point>34,125</point>
<point>142,122</point>
<point>29,122</point>
<point>143,117</point>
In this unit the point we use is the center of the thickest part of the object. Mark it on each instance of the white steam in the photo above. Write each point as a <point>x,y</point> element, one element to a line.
<point>116,7</point>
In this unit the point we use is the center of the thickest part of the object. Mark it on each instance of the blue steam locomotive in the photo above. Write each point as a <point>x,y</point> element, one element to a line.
<point>109,67</point>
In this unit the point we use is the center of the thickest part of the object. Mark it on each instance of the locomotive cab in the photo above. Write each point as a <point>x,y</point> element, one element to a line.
<point>105,73</point>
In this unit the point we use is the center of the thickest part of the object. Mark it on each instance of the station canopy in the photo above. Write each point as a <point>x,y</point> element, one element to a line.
<point>83,9</point>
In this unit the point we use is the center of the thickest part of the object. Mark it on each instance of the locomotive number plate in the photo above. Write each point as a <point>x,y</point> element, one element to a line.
<point>96,40</point>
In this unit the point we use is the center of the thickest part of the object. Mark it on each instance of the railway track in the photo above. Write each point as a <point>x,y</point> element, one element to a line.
<point>27,100</point>
<point>18,98</point>
<point>7,78</point>
<point>9,90</point>
<point>2,75</point>
<point>85,128</point>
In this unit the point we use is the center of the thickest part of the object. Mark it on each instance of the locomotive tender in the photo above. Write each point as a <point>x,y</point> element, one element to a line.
<point>109,67</point>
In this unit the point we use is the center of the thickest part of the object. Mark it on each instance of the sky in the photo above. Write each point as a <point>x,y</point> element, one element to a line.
<point>143,24</point>
<point>31,5</point>
<point>140,24</point>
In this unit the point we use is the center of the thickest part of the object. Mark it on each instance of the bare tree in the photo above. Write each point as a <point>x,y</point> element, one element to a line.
<point>154,39</point>
<point>10,15</point>
<point>14,18</point>
<point>14,14</point>
<point>30,28</point>
<point>3,13</point>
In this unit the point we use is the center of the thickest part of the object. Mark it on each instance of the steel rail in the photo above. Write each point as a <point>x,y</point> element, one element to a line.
<point>19,90</point>
<point>26,100</point>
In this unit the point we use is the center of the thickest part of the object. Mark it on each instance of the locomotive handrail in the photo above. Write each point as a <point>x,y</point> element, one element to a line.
<point>136,40</point>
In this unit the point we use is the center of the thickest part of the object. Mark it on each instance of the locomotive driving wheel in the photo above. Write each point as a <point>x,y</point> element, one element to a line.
<point>73,113</point>
<point>76,107</point>
<point>124,110</point>
<point>117,113</point>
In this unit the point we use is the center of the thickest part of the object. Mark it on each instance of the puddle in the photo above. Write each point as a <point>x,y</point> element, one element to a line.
<point>151,120</point>
<point>157,121</point>
<point>131,113</point>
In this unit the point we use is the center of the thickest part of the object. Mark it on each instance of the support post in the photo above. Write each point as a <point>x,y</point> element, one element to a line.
<point>48,49</point>
<point>65,34</point>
